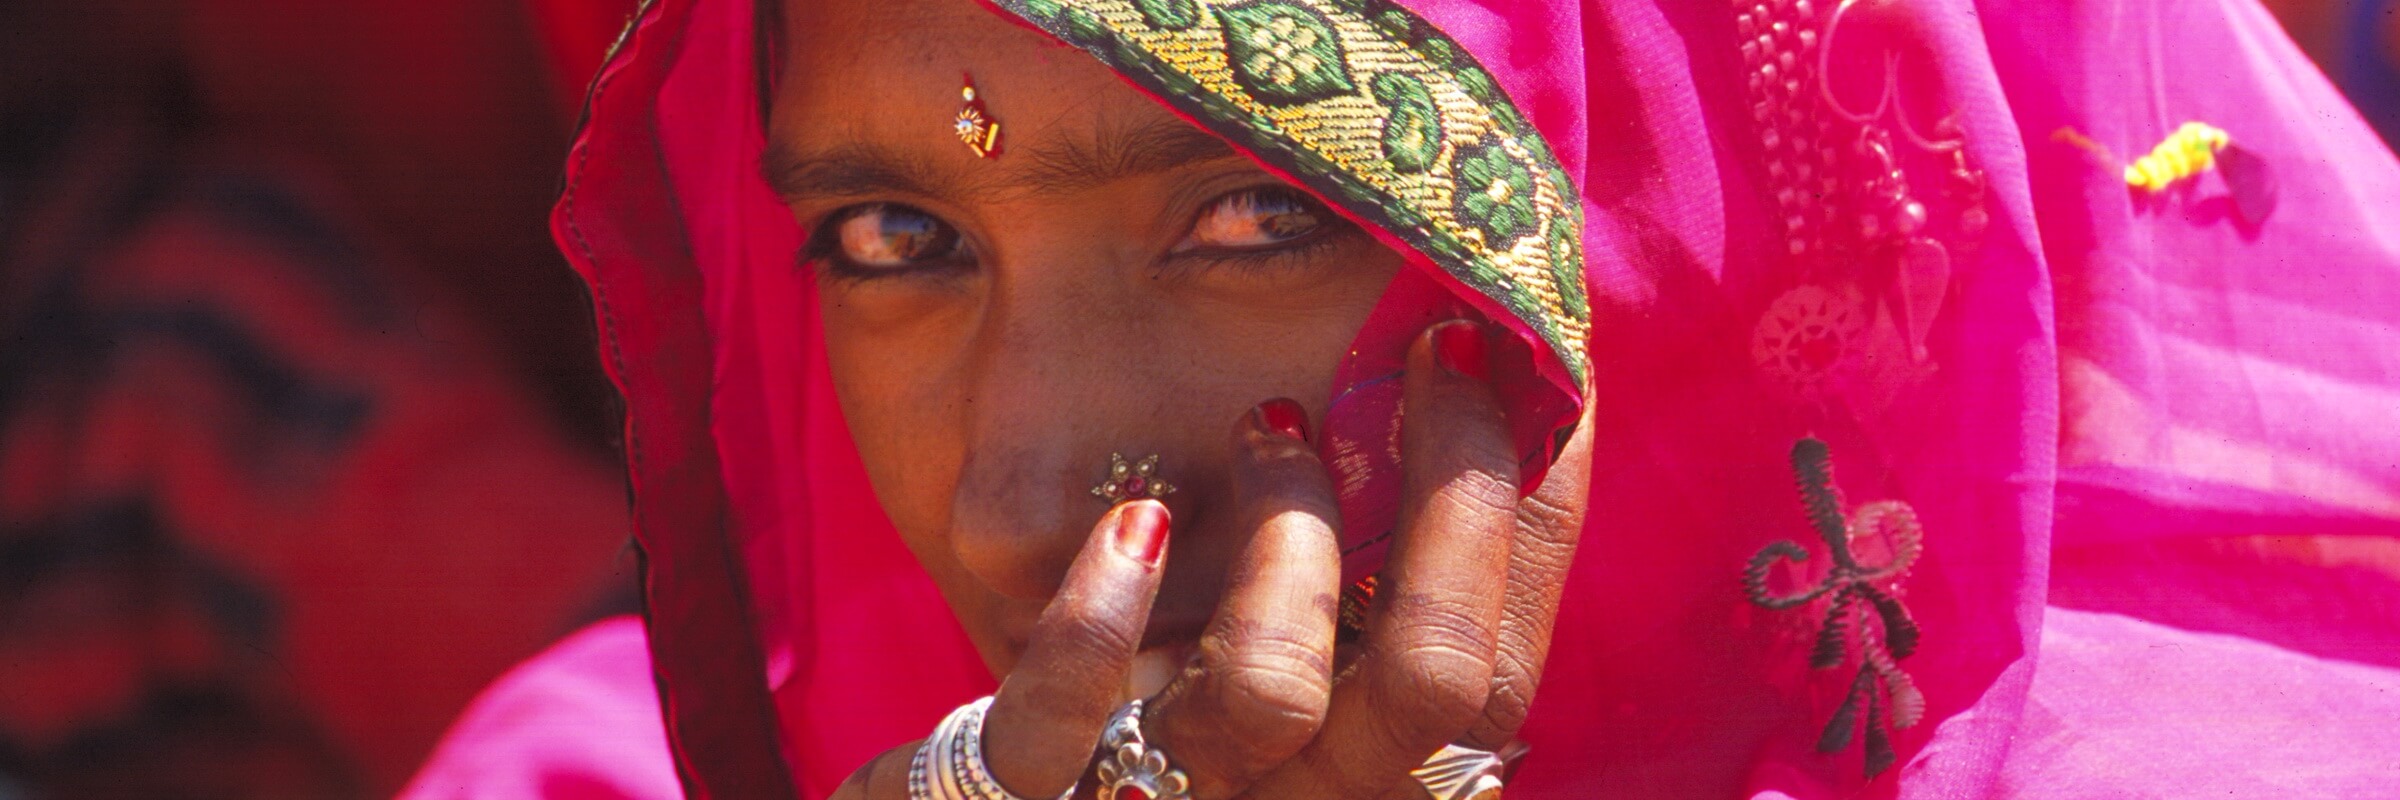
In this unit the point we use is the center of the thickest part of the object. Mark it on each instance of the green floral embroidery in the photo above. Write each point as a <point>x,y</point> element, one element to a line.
<point>1495,192</point>
<point>1865,613</point>
<point>1082,28</point>
<point>1170,14</point>
<point>1285,53</point>
<point>1439,52</point>
<point>1566,261</point>
<point>1509,119</point>
<point>1412,128</point>
<point>1372,107</point>
<point>1477,83</point>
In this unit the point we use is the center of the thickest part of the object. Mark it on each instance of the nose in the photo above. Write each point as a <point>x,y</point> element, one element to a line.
<point>1068,366</point>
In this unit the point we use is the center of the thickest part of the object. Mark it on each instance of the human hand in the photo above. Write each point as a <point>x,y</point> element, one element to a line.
<point>1454,642</point>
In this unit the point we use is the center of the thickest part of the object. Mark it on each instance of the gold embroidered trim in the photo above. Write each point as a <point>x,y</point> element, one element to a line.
<point>1366,103</point>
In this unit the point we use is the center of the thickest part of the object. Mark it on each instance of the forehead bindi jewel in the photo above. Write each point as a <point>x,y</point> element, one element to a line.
<point>975,125</point>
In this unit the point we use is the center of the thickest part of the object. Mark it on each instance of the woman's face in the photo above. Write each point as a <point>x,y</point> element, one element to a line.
<point>1115,281</point>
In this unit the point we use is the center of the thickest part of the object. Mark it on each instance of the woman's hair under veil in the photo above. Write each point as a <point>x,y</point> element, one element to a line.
<point>767,43</point>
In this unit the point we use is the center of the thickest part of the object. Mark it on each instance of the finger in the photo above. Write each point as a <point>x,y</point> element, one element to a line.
<point>1426,668</point>
<point>1549,524</point>
<point>1263,671</point>
<point>885,778</point>
<point>1046,718</point>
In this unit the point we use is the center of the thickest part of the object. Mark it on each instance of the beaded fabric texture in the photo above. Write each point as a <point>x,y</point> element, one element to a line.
<point>1866,266</point>
<point>1867,251</point>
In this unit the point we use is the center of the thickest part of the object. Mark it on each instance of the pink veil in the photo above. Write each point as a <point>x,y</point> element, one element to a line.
<point>2043,379</point>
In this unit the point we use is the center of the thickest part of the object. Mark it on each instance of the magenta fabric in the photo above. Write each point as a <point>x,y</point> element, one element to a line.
<point>2221,380</point>
<point>562,726</point>
<point>2242,718</point>
<point>2095,366</point>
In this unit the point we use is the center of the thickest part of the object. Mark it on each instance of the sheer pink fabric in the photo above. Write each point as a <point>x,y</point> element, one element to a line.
<point>575,722</point>
<point>2100,369</point>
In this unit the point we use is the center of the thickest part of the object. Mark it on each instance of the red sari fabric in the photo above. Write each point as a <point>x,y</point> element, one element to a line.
<point>1987,352</point>
<point>257,493</point>
<point>280,391</point>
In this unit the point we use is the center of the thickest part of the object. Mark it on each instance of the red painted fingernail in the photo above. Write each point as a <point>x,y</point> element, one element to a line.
<point>1142,532</point>
<point>1458,346</point>
<point>1285,417</point>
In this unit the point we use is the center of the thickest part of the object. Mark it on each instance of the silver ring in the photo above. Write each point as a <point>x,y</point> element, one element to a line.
<point>1130,769</point>
<point>1458,772</point>
<point>949,765</point>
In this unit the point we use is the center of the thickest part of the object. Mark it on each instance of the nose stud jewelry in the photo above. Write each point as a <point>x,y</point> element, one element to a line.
<point>1132,481</point>
<point>975,125</point>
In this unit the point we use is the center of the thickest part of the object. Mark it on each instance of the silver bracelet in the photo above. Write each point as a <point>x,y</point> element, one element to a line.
<point>949,765</point>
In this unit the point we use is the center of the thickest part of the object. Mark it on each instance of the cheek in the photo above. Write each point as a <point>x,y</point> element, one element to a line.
<point>902,414</point>
<point>1291,338</point>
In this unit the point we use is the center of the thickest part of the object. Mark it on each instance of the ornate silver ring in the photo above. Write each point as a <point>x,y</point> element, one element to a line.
<point>1461,773</point>
<point>1130,769</point>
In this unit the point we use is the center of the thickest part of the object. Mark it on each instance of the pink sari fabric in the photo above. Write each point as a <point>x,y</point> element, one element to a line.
<point>2088,367</point>
<point>572,723</point>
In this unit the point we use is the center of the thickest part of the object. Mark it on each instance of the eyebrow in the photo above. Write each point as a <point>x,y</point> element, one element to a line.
<point>861,168</point>
<point>850,170</point>
<point>1071,164</point>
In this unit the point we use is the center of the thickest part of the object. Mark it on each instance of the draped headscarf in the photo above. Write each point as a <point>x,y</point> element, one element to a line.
<point>1878,327</point>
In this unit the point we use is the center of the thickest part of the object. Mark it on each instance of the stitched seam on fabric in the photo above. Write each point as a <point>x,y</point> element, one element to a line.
<point>583,245</point>
<point>687,773</point>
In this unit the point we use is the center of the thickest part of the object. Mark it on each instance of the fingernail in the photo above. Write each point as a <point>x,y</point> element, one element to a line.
<point>1285,417</point>
<point>1142,532</point>
<point>1458,347</point>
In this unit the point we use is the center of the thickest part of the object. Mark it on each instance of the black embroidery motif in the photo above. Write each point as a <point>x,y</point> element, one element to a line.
<point>1863,615</point>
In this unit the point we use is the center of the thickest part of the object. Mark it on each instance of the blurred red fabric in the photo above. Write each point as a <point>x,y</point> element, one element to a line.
<point>301,442</point>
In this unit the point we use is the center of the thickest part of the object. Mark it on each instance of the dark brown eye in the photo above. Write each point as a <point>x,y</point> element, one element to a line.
<point>892,236</point>
<point>1254,219</point>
